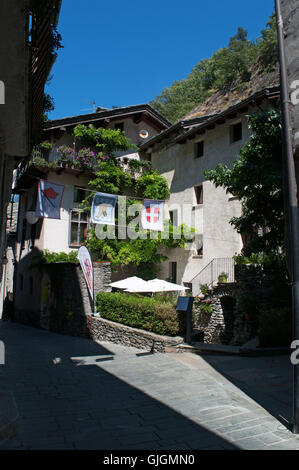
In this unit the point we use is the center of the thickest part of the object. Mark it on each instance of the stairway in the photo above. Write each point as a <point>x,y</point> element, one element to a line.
<point>209,274</point>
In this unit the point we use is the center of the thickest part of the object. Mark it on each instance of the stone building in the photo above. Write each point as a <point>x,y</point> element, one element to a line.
<point>7,285</point>
<point>182,153</point>
<point>26,58</point>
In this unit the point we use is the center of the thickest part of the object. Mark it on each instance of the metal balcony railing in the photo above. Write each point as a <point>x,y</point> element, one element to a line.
<point>209,274</point>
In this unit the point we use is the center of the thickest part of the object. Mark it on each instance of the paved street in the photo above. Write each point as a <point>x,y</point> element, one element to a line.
<point>106,396</point>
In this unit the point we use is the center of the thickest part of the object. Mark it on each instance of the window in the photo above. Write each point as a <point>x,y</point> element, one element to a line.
<point>236,132</point>
<point>174,217</point>
<point>119,126</point>
<point>79,195</point>
<point>79,227</point>
<point>199,149</point>
<point>24,231</point>
<point>198,194</point>
<point>173,272</point>
<point>199,251</point>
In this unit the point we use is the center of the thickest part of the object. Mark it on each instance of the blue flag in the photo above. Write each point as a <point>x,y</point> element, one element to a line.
<point>49,199</point>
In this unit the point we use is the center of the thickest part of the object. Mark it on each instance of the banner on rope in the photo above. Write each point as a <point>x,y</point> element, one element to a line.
<point>152,215</point>
<point>103,209</point>
<point>49,199</point>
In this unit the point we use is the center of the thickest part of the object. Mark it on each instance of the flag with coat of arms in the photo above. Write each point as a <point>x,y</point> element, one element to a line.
<point>152,215</point>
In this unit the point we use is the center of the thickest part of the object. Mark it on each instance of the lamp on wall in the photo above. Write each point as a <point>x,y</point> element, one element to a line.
<point>31,217</point>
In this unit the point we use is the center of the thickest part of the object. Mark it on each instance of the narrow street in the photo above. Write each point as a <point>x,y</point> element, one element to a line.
<point>72,393</point>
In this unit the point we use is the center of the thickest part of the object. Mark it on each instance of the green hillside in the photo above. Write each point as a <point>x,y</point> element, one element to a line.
<point>230,68</point>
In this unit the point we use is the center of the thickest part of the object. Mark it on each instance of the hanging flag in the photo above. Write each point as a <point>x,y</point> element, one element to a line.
<point>103,209</point>
<point>87,268</point>
<point>49,199</point>
<point>152,215</point>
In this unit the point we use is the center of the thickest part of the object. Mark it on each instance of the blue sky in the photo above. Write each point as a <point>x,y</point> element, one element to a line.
<point>124,53</point>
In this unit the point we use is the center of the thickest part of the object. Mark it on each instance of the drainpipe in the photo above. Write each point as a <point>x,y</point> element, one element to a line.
<point>290,188</point>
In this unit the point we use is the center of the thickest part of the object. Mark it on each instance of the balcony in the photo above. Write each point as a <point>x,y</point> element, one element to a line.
<point>58,159</point>
<point>63,156</point>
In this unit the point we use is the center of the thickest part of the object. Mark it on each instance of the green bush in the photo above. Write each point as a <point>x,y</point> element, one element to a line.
<point>204,288</point>
<point>140,312</point>
<point>46,256</point>
<point>223,277</point>
<point>275,327</point>
<point>206,308</point>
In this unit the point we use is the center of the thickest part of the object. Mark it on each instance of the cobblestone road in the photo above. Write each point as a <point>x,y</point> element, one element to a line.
<point>106,396</point>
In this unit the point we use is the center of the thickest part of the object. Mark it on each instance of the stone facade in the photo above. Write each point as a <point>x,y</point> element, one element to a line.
<point>106,330</point>
<point>6,291</point>
<point>182,154</point>
<point>62,302</point>
<point>217,327</point>
<point>233,319</point>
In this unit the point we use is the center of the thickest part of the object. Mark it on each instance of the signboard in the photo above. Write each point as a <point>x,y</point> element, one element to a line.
<point>87,268</point>
<point>185,304</point>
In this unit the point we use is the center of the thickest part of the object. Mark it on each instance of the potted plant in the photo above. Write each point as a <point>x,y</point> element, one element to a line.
<point>222,278</point>
<point>67,154</point>
<point>46,145</point>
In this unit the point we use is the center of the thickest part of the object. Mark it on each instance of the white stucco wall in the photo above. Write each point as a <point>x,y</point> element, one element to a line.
<point>211,219</point>
<point>131,130</point>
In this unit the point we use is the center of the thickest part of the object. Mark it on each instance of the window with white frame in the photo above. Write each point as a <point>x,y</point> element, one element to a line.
<point>79,225</point>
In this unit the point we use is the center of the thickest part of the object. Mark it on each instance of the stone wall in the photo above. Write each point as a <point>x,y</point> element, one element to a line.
<point>250,284</point>
<point>105,330</point>
<point>218,327</point>
<point>233,319</point>
<point>65,302</point>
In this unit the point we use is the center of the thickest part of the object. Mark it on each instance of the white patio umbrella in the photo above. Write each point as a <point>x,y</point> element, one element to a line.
<point>167,286</point>
<point>129,282</point>
<point>156,285</point>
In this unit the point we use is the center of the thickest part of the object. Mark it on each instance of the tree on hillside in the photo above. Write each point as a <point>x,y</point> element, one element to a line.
<point>267,45</point>
<point>256,179</point>
<point>227,68</point>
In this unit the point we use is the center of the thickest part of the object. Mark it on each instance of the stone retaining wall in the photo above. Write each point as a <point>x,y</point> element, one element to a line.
<point>217,328</point>
<point>233,320</point>
<point>105,330</point>
<point>63,298</point>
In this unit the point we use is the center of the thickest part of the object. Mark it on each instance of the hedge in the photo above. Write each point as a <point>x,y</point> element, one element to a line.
<point>145,313</point>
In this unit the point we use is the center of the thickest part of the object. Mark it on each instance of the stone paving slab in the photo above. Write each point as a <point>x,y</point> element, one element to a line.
<point>107,396</point>
<point>8,416</point>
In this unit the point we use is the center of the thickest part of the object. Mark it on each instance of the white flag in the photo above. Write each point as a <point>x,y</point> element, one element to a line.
<point>152,215</point>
